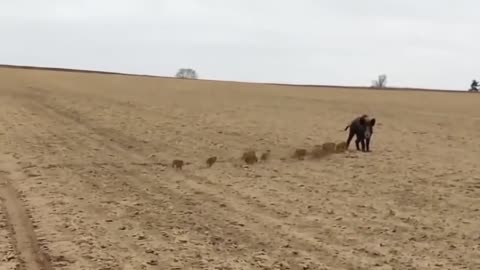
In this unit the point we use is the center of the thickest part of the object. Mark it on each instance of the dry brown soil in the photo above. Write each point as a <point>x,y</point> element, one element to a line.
<point>86,182</point>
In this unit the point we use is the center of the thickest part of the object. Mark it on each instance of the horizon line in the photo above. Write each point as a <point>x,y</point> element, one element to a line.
<point>212,80</point>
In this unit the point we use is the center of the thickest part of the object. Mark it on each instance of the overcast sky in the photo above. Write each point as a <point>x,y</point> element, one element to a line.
<point>417,43</point>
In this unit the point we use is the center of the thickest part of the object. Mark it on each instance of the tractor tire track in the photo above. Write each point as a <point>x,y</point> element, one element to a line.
<point>30,255</point>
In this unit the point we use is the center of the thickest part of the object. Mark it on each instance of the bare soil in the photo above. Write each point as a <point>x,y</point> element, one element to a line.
<point>86,181</point>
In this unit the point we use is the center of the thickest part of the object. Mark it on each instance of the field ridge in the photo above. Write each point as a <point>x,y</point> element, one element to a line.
<point>243,82</point>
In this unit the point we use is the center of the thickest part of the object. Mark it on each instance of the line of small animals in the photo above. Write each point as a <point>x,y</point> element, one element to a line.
<point>360,127</point>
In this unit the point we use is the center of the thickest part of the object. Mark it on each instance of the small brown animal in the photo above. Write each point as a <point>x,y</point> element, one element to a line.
<point>177,164</point>
<point>300,154</point>
<point>210,161</point>
<point>250,157</point>
<point>318,152</point>
<point>341,147</point>
<point>265,155</point>
<point>329,147</point>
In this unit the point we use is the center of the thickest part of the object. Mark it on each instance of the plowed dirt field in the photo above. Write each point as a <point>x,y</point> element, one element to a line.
<point>86,182</point>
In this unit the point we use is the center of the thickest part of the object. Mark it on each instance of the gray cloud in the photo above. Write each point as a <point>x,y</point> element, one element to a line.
<point>429,43</point>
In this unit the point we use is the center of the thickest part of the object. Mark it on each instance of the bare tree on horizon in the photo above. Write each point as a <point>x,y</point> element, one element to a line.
<point>381,82</point>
